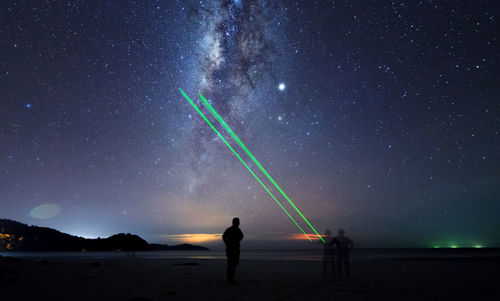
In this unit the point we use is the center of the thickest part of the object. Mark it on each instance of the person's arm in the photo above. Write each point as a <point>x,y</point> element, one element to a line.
<point>224,237</point>
<point>241,235</point>
<point>351,244</point>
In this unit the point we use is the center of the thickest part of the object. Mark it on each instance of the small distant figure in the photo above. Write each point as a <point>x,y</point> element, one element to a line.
<point>130,254</point>
<point>232,237</point>
<point>328,253</point>
<point>344,246</point>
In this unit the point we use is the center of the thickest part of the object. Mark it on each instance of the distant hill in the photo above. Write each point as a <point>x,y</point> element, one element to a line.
<point>182,247</point>
<point>16,236</point>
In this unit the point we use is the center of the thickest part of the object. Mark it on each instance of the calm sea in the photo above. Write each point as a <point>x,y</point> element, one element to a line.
<point>307,255</point>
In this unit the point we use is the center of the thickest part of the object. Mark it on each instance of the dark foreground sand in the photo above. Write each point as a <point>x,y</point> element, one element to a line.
<point>168,279</point>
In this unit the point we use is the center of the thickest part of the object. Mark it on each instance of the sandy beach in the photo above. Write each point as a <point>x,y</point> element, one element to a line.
<point>178,279</point>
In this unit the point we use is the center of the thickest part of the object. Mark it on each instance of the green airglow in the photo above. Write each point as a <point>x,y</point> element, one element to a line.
<point>453,246</point>
<point>254,160</point>
<point>241,160</point>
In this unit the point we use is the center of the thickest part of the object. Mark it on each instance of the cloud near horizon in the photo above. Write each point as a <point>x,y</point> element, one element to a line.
<point>193,238</point>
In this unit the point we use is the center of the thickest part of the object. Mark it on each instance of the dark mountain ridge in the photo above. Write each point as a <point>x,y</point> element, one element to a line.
<point>181,247</point>
<point>16,236</point>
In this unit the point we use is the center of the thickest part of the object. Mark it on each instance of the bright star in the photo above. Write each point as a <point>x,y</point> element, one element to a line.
<point>28,105</point>
<point>281,86</point>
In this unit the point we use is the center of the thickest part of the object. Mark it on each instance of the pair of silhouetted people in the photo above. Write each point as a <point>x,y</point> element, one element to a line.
<point>337,250</point>
<point>232,237</point>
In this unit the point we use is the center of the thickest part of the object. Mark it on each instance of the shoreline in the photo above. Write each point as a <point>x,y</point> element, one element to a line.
<point>314,255</point>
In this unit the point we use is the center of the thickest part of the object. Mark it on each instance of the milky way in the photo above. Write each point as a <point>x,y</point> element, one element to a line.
<point>237,49</point>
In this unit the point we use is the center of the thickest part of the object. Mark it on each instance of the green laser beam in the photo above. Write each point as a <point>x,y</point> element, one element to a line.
<point>241,160</point>
<point>257,163</point>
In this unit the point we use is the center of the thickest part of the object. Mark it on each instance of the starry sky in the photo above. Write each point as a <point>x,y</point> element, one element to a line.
<point>378,117</point>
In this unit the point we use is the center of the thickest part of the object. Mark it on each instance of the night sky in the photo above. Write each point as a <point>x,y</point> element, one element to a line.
<point>374,116</point>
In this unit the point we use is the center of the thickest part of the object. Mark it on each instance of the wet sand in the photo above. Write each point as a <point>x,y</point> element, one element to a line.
<point>177,279</point>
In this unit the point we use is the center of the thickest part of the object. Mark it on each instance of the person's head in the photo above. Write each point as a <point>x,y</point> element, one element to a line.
<point>236,221</point>
<point>341,232</point>
<point>328,232</point>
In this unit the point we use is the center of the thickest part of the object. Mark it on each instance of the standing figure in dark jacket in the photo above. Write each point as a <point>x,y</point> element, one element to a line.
<point>344,247</point>
<point>328,252</point>
<point>232,237</point>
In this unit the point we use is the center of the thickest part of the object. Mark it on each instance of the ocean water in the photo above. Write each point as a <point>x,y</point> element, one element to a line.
<point>304,255</point>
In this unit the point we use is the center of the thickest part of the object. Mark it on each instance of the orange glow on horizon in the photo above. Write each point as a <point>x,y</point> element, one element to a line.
<point>195,238</point>
<point>302,236</point>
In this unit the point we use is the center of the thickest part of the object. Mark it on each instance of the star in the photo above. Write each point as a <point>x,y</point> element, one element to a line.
<point>281,86</point>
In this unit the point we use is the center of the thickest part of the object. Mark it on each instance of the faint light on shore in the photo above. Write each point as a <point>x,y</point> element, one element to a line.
<point>455,246</point>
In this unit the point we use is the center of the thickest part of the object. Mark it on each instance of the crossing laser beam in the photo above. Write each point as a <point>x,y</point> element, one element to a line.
<point>241,160</point>
<point>257,163</point>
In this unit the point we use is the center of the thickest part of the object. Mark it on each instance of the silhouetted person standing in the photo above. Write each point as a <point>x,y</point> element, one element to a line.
<point>344,246</point>
<point>232,237</point>
<point>328,253</point>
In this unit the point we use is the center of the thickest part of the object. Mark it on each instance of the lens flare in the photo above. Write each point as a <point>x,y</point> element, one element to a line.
<point>45,211</point>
